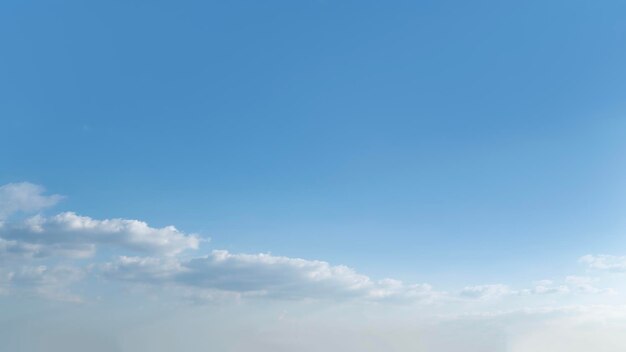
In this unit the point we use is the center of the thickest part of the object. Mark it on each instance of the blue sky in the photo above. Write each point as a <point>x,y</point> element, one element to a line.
<point>452,143</point>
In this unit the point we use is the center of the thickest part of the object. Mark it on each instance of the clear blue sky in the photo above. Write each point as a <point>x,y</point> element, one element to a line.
<point>388,136</point>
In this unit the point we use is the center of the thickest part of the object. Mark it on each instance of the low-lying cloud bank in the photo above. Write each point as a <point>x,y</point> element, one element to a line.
<point>142,255</point>
<point>45,255</point>
<point>255,275</point>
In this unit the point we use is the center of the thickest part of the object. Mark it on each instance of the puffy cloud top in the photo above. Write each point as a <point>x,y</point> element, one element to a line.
<point>78,236</point>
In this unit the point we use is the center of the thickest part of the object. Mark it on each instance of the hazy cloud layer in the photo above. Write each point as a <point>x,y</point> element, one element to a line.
<point>605,262</point>
<point>277,327</point>
<point>486,291</point>
<point>52,283</point>
<point>265,275</point>
<point>570,285</point>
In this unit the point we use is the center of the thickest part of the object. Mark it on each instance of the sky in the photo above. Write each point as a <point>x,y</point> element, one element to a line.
<point>312,175</point>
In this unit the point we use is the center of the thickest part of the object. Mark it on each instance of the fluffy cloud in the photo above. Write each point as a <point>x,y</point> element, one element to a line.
<point>265,275</point>
<point>31,247</point>
<point>68,234</point>
<point>24,197</point>
<point>149,256</point>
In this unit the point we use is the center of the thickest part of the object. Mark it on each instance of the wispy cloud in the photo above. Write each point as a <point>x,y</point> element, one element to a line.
<point>605,262</point>
<point>24,197</point>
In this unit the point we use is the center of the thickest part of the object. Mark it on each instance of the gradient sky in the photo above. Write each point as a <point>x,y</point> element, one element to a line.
<point>338,161</point>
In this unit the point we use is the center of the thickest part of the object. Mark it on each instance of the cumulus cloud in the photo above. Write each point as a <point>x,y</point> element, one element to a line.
<point>150,256</point>
<point>71,236</point>
<point>78,236</point>
<point>265,275</point>
<point>31,248</point>
<point>24,197</point>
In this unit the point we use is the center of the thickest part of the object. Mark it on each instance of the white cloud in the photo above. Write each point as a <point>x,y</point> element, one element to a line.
<point>605,262</point>
<point>12,250</point>
<point>15,249</point>
<point>144,269</point>
<point>490,291</point>
<point>78,236</point>
<point>24,197</point>
<point>42,281</point>
<point>584,284</point>
<point>28,246</point>
<point>265,275</point>
<point>545,287</point>
<point>571,284</point>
